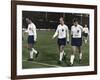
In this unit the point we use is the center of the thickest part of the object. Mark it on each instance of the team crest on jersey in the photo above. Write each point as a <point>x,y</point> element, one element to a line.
<point>77,31</point>
<point>62,30</point>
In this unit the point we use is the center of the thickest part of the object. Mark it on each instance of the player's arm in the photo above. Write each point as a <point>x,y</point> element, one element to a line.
<point>35,34</point>
<point>27,30</point>
<point>82,28</point>
<point>56,33</point>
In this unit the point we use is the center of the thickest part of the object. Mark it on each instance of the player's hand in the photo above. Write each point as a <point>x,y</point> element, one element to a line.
<point>35,41</point>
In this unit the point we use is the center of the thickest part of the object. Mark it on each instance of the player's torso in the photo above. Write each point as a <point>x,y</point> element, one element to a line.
<point>76,31</point>
<point>62,31</point>
<point>85,30</point>
<point>30,29</point>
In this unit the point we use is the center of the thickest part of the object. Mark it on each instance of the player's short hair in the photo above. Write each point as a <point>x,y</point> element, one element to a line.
<point>75,20</point>
<point>61,18</point>
<point>28,19</point>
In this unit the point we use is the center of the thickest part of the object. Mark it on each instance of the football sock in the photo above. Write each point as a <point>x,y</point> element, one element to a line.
<point>85,41</point>
<point>64,53</point>
<point>72,59</point>
<point>61,56</point>
<point>31,54</point>
<point>34,50</point>
<point>80,55</point>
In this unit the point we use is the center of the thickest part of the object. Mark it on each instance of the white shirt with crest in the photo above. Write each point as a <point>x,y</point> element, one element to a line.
<point>62,31</point>
<point>76,31</point>
<point>31,30</point>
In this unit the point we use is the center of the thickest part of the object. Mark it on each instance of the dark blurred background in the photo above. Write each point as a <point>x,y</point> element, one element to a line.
<point>50,20</point>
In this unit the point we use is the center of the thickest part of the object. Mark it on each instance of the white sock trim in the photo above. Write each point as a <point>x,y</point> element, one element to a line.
<point>34,50</point>
<point>80,55</point>
<point>72,59</point>
<point>61,55</point>
<point>31,54</point>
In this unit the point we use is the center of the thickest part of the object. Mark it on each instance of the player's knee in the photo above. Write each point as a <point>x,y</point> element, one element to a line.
<point>61,49</point>
<point>30,49</point>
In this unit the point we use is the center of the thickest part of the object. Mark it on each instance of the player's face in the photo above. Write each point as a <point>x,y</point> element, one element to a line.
<point>61,21</point>
<point>27,20</point>
<point>75,23</point>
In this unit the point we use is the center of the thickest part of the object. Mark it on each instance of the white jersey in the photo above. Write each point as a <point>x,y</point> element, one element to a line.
<point>76,31</point>
<point>62,31</point>
<point>85,30</point>
<point>32,30</point>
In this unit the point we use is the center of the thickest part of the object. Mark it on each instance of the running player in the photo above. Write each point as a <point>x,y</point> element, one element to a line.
<point>32,36</point>
<point>76,40</point>
<point>61,32</point>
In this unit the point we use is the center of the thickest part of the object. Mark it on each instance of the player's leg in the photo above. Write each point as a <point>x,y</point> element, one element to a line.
<point>79,46</point>
<point>80,52</point>
<point>36,52</point>
<point>33,49</point>
<point>30,52</point>
<point>61,52</point>
<point>30,46</point>
<point>61,44</point>
<point>86,38</point>
<point>74,43</point>
<point>73,55</point>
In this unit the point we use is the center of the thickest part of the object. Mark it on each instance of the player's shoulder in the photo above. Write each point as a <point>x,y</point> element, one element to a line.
<point>59,25</point>
<point>65,25</point>
<point>80,26</point>
<point>72,26</point>
<point>33,25</point>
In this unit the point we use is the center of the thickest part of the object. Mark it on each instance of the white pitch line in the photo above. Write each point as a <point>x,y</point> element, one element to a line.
<point>42,63</point>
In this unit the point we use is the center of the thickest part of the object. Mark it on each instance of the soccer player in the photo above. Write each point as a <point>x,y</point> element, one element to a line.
<point>85,33</point>
<point>76,40</point>
<point>61,32</point>
<point>32,36</point>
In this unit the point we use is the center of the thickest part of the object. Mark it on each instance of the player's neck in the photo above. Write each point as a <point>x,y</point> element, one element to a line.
<point>76,25</point>
<point>62,24</point>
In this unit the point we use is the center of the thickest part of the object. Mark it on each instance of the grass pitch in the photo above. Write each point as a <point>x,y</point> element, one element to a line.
<point>49,55</point>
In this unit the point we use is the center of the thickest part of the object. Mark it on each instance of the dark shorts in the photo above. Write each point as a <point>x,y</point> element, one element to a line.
<point>85,34</point>
<point>30,39</point>
<point>61,41</point>
<point>76,42</point>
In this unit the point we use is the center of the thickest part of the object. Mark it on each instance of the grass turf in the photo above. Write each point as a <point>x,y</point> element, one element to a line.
<point>49,52</point>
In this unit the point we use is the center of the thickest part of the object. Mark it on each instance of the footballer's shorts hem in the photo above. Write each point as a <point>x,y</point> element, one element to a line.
<point>30,39</point>
<point>61,41</point>
<point>76,41</point>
